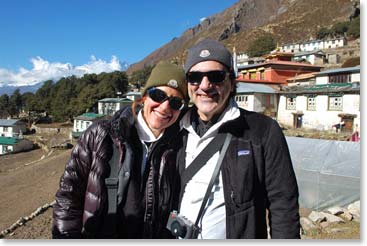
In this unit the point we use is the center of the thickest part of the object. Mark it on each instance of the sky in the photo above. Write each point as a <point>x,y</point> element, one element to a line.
<point>48,39</point>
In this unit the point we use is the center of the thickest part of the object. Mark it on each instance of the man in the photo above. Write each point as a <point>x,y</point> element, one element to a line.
<point>256,184</point>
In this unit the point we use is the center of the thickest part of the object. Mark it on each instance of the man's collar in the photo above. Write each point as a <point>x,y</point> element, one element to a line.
<point>229,113</point>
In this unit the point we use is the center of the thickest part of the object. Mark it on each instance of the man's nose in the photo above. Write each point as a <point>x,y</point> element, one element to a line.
<point>205,83</point>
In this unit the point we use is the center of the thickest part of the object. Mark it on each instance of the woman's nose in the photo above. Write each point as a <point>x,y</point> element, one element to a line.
<point>165,105</point>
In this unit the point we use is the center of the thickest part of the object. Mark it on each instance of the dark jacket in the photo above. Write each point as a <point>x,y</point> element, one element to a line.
<point>260,180</point>
<point>144,200</point>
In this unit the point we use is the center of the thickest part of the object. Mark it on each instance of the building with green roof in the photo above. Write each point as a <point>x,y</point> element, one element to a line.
<point>83,121</point>
<point>12,145</point>
<point>109,106</point>
<point>332,100</point>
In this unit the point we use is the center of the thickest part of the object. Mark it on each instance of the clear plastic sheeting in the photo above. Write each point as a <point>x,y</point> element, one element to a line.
<point>327,171</point>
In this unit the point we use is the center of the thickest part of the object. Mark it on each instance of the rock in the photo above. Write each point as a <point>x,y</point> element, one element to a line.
<point>333,219</point>
<point>335,210</point>
<point>307,224</point>
<point>356,218</point>
<point>355,206</point>
<point>355,209</point>
<point>346,215</point>
<point>324,224</point>
<point>337,230</point>
<point>317,217</point>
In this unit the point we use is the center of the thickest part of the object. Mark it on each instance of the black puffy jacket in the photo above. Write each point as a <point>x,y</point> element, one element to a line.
<point>145,200</point>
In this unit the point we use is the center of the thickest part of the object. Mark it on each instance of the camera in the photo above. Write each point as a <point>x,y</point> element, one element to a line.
<point>181,226</point>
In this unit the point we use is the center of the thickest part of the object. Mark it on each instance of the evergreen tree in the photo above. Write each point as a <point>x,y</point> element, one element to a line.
<point>140,77</point>
<point>4,106</point>
<point>15,103</point>
<point>44,97</point>
<point>323,33</point>
<point>354,28</point>
<point>261,46</point>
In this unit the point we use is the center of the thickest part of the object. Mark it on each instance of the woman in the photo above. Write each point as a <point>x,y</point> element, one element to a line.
<point>146,158</point>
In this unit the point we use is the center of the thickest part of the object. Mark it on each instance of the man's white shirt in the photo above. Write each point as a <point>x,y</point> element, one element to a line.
<point>214,220</point>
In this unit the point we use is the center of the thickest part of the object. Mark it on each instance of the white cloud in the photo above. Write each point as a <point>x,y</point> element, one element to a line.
<point>44,70</point>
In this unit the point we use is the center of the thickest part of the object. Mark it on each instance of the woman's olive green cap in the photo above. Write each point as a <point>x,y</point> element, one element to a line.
<point>167,74</point>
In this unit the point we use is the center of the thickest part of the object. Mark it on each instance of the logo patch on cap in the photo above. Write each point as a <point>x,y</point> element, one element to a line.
<point>204,53</point>
<point>173,83</point>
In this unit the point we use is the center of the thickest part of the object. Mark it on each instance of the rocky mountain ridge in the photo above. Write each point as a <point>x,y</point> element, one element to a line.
<point>236,26</point>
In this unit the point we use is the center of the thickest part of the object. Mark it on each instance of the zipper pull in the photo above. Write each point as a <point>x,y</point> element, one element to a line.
<point>232,196</point>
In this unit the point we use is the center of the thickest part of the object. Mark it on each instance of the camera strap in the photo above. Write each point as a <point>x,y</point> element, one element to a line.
<point>112,189</point>
<point>214,176</point>
<point>200,160</point>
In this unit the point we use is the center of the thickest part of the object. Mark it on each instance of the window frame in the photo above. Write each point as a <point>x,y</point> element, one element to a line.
<point>291,105</point>
<point>338,107</point>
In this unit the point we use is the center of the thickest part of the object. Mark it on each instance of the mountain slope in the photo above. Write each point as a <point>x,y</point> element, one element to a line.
<point>236,26</point>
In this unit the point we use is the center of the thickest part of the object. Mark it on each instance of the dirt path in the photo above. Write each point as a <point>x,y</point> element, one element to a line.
<point>29,180</point>
<point>27,187</point>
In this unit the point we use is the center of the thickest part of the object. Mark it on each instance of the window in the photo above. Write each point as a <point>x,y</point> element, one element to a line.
<point>340,78</point>
<point>253,75</point>
<point>291,103</point>
<point>262,75</point>
<point>335,103</point>
<point>267,101</point>
<point>242,99</point>
<point>5,129</point>
<point>311,103</point>
<point>6,149</point>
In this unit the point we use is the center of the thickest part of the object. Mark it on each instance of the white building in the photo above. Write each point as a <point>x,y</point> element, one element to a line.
<point>257,97</point>
<point>109,106</point>
<point>13,145</point>
<point>132,95</point>
<point>12,127</point>
<point>316,57</point>
<point>314,45</point>
<point>333,99</point>
<point>82,122</point>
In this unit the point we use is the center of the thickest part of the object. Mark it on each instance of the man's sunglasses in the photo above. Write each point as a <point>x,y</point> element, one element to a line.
<point>160,96</point>
<point>215,77</point>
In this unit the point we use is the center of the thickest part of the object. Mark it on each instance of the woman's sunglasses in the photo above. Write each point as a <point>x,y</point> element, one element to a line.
<point>160,96</point>
<point>215,77</point>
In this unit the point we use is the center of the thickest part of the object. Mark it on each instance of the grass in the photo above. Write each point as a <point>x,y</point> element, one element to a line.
<point>349,230</point>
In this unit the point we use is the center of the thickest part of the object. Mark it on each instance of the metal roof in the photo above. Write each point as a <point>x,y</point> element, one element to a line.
<point>6,122</point>
<point>270,63</point>
<point>304,53</point>
<point>254,88</point>
<point>322,89</point>
<point>115,100</point>
<point>89,116</point>
<point>8,141</point>
<point>133,93</point>
<point>355,69</point>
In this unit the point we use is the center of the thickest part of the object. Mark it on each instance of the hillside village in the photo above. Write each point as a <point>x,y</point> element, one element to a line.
<point>314,96</point>
<point>301,85</point>
<point>311,88</point>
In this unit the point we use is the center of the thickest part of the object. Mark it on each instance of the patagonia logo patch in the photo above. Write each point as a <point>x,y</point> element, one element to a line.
<point>243,152</point>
